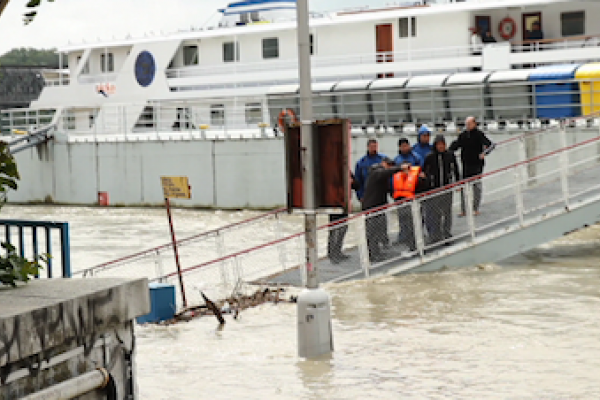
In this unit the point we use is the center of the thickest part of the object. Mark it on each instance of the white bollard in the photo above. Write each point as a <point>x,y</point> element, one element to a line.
<point>315,337</point>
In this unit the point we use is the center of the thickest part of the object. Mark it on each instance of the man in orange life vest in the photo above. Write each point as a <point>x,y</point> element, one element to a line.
<point>407,183</point>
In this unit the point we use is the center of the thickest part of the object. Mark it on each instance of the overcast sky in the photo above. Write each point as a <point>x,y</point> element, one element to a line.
<point>74,21</point>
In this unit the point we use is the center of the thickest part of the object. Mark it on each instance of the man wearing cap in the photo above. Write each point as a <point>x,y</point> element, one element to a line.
<point>375,196</point>
<point>363,166</point>
<point>423,146</point>
<point>442,170</point>
<point>406,184</point>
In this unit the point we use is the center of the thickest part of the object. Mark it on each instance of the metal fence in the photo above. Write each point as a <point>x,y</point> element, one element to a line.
<point>505,106</point>
<point>34,238</point>
<point>214,244</point>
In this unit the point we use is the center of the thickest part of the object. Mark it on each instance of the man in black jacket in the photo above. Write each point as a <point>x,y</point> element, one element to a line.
<point>474,146</point>
<point>376,193</point>
<point>441,169</point>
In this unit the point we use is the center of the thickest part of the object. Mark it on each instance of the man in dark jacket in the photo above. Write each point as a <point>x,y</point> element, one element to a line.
<point>376,195</point>
<point>406,185</point>
<point>441,169</point>
<point>363,166</point>
<point>474,146</point>
<point>337,233</point>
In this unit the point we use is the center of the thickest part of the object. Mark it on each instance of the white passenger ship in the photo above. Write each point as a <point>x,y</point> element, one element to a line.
<point>386,68</point>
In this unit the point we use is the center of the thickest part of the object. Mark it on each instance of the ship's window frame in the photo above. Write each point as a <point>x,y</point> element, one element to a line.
<point>403,27</point>
<point>86,67</point>
<point>217,114</point>
<point>191,55</point>
<point>107,66</point>
<point>270,48</point>
<point>573,27</point>
<point>253,113</point>
<point>231,54</point>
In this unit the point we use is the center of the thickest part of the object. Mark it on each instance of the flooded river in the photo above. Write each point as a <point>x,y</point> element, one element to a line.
<point>527,328</point>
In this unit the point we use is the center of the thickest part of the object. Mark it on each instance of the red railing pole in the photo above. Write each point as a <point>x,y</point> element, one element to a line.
<point>175,251</point>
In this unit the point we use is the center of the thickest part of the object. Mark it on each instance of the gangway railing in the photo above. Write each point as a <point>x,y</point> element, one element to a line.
<point>221,242</point>
<point>35,238</point>
<point>515,197</point>
<point>31,139</point>
<point>212,243</point>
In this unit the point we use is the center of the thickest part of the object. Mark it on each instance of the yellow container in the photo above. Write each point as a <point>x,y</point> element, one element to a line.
<point>588,76</point>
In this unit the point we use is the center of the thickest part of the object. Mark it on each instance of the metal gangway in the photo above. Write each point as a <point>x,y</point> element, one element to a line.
<point>31,139</point>
<point>542,187</point>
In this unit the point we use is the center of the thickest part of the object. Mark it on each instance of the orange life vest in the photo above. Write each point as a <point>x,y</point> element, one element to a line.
<point>405,185</point>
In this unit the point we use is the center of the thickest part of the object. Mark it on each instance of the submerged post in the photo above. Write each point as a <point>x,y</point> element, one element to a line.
<point>314,318</point>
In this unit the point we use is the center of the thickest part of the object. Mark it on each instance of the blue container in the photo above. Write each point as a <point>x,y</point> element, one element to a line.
<point>162,304</point>
<point>560,99</point>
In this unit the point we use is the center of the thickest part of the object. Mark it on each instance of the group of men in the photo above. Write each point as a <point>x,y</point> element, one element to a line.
<point>421,168</point>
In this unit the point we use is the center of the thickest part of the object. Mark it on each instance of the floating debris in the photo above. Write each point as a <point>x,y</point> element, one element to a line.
<point>233,305</point>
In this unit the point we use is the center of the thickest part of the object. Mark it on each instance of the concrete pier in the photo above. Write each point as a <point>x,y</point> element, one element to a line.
<point>52,331</point>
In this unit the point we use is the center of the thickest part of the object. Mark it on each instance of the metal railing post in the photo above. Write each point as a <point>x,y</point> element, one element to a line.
<point>363,250</point>
<point>418,227</point>
<point>468,195</point>
<point>519,197</point>
<point>281,247</point>
<point>563,159</point>
<point>221,251</point>
<point>49,249</point>
<point>21,242</point>
<point>65,250</point>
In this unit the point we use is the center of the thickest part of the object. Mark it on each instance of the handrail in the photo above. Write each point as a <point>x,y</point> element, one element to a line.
<point>383,208</point>
<point>557,40</point>
<point>180,242</point>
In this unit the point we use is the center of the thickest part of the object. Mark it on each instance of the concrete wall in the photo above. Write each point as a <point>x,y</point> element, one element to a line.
<point>54,330</point>
<point>245,173</point>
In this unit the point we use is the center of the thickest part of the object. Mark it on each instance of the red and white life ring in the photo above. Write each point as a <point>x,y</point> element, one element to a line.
<point>283,114</point>
<point>507,28</point>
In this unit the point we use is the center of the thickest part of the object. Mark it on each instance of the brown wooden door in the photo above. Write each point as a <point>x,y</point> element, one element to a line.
<point>385,45</point>
<point>527,22</point>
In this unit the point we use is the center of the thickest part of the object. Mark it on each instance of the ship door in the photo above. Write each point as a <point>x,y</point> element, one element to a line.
<point>528,21</point>
<point>385,46</point>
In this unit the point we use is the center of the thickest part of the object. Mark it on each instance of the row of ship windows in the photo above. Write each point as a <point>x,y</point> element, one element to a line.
<point>573,23</point>
<point>231,51</point>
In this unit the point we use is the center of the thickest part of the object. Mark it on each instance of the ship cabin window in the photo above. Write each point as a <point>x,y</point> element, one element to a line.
<point>404,27</point>
<point>231,52</point>
<point>107,62</point>
<point>253,113</point>
<point>312,44</point>
<point>86,67</point>
<point>573,23</point>
<point>270,48</point>
<point>254,16</point>
<point>190,55</point>
<point>217,115</point>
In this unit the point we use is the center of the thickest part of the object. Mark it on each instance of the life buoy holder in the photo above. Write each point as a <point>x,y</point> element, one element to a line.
<point>283,114</point>
<point>507,28</point>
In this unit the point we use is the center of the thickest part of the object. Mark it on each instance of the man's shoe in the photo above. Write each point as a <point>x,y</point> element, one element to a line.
<point>339,258</point>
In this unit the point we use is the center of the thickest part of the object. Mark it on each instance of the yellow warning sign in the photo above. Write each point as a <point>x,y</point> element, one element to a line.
<point>176,187</point>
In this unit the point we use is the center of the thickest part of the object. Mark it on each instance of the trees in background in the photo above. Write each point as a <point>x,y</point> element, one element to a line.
<point>30,57</point>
